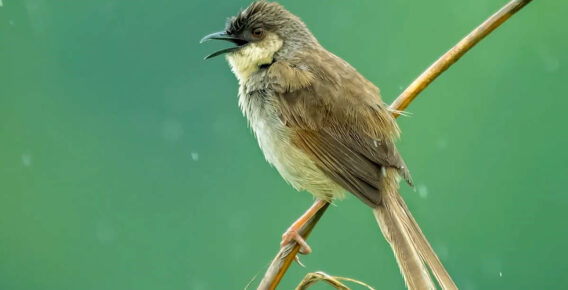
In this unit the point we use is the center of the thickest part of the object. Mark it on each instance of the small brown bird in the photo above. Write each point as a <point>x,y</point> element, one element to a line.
<point>325,128</point>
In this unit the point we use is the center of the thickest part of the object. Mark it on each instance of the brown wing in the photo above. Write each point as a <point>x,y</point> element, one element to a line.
<point>339,119</point>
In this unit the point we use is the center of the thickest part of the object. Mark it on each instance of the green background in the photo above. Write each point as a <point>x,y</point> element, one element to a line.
<point>125,162</point>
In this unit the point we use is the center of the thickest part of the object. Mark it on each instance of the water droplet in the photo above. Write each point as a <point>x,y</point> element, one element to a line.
<point>500,274</point>
<point>422,191</point>
<point>549,59</point>
<point>199,285</point>
<point>376,143</point>
<point>442,143</point>
<point>27,160</point>
<point>383,171</point>
<point>194,156</point>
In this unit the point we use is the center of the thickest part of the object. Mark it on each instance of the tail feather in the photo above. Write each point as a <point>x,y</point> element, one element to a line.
<point>426,251</point>
<point>410,246</point>
<point>410,262</point>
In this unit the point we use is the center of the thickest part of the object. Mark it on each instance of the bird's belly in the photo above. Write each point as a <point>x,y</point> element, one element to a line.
<point>293,164</point>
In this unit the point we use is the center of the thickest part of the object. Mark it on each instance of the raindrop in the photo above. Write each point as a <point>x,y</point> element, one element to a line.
<point>550,61</point>
<point>423,191</point>
<point>500,274</point>
<point>442,143</point>
<point>199,285</point>
<point>194,156</point>
<point>27,160</point>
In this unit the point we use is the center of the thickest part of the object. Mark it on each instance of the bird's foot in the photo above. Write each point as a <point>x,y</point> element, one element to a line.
<point>292,235</point>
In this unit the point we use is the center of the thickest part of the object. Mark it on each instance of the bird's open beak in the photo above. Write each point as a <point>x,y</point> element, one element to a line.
<point>222,35</point>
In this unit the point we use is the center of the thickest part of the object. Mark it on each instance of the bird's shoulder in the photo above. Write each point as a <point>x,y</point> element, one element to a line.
<point>317,89</point>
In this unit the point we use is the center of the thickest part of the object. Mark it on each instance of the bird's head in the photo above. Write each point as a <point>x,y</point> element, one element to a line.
<point>261,34</point>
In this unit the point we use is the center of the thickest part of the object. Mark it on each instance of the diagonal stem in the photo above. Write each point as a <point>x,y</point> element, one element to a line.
<point>455,53</point>
<point>285,256</point>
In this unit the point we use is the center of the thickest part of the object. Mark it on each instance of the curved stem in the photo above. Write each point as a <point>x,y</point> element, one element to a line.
<point>455,53</point>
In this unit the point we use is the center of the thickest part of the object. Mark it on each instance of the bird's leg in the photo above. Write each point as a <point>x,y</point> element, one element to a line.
<point>292,233</point>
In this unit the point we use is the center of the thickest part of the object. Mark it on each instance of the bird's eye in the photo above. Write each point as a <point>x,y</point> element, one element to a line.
<point>257,32</point>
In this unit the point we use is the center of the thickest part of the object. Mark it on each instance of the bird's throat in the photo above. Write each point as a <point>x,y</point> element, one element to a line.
<point>253,56</point>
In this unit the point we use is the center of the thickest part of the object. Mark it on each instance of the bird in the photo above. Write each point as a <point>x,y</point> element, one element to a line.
<point>325,128</point>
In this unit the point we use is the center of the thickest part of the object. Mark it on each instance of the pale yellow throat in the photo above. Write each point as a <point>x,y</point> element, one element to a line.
<point>248,59</point>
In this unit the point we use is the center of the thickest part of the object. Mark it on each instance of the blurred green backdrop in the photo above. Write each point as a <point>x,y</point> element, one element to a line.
<point>125,162</point>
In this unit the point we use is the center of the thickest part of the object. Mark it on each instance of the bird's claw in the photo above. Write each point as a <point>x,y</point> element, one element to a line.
<point>293,235</point>
<point>297,259</point>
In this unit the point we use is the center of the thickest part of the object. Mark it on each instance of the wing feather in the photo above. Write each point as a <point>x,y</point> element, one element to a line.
<point>338,119</point>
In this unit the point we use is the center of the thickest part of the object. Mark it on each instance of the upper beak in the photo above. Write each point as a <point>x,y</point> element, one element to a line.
<point>222,35</point>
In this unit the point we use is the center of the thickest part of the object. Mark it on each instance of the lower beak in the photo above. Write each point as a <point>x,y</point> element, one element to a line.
<point>222,35</point>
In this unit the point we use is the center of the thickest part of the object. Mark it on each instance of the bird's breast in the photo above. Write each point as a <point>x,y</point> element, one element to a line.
<point>275,140</point>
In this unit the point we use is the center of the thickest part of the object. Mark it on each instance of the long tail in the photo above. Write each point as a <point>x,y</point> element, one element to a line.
<point>409,244</point>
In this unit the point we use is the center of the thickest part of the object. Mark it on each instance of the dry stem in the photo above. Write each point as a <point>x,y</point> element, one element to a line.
<point>334,281</point>
<point>286,255</point>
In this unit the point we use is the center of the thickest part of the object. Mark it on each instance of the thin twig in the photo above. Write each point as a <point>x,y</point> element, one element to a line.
<point>285,256</point>
<point>312,278</point>
<point>334,281</point>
